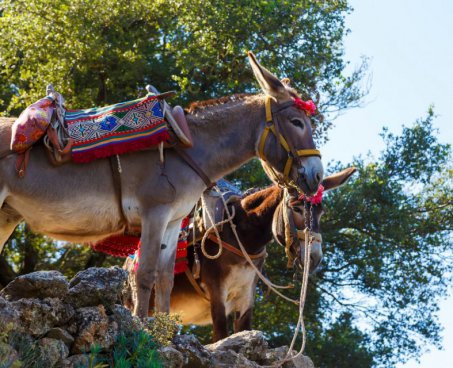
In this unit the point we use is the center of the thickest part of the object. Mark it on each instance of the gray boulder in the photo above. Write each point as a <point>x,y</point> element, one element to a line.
<point>54,351</point>
<point>96,286</point>
<point>37,317</point>
<point>94,327</point>
<point>41,284</point>
<point>251,344</point>
<point>195,354</point>
<point>171,358</point>
<point>273,356</point>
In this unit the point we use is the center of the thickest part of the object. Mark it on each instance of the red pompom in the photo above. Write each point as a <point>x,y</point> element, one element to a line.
<point>308,106</point>
<point>316,199</point>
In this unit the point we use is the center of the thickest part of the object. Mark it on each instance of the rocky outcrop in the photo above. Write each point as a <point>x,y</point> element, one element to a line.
<point>57,323</point>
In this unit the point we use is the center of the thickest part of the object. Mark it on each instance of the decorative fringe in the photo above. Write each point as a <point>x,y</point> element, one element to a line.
<point>119,148</point>
<point>126,245</point>
<point>117,245</point>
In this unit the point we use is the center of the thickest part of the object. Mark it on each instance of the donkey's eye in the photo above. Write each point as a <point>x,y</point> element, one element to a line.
<point>297,122</point>
<point>297,209</point>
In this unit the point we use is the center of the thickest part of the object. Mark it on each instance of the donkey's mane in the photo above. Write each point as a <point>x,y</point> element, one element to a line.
<point>202,105</point>
<point>260,201</point>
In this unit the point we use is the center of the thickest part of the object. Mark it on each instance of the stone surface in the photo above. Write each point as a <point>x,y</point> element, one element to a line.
<point>60,334</point>
<point>195,354</point>
<point>124,318</point>
<point>78,360</point>
<point>37,316</point>
<point>171,358</point>
<point>41,284</point>
<point>54,351</point>
<point>275,355</point>
<point>251,344</point>
<point>227,359</point>
<point>96,286</point>
<point>9,315</point>
<point>94,327</point>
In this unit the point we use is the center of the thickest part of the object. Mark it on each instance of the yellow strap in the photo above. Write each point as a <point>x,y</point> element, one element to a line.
<point>287,169</point>
<point>308,152</point>
<point>263,142</point>
<point>268,109</point>
<point>281,138</point>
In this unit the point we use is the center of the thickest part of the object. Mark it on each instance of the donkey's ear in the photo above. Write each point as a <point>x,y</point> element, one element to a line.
<point>338,179</point>
<point>269,83</point>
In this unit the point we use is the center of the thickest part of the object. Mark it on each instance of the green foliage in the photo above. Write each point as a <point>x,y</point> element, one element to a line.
<point>163,327</point>
<point>101,52</point>
<point>387,238</point>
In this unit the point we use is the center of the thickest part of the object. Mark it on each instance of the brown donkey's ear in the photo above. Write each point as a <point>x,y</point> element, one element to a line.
<point>336,180</point>
<point>269,83</point>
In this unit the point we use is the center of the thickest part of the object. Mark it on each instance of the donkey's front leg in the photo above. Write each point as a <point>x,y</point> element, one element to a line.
<point>218,313</point>
<point>165,276</point>
<point>153,226</point>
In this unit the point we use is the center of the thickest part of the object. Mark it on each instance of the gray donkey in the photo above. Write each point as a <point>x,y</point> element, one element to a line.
<point>78,203</point>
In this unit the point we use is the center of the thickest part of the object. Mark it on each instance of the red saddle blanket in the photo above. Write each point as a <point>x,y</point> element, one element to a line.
<point>124,246</point>
<point>116,129</point>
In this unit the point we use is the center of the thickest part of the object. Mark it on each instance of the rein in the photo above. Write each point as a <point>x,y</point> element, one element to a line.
<point>293,153</point>
<point>235,250</point>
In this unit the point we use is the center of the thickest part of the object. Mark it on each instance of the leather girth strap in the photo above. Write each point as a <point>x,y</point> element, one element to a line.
<point>189,160</point>
<point>235,250</point>
<point>116,175</point>
<point>195,285</point>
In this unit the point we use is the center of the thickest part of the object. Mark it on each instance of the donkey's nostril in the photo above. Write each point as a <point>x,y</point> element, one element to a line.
<point>318,176</point>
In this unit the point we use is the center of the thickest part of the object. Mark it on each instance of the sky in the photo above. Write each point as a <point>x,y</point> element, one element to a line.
<point>409,43</point>
<point>410,47</point>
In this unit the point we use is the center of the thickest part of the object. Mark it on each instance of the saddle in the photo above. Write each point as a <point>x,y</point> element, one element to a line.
<point>49,120</point>
<point>211,206</point>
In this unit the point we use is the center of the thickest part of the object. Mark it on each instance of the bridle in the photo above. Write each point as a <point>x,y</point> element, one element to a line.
<point>292,233</point>
<point>274,126</point>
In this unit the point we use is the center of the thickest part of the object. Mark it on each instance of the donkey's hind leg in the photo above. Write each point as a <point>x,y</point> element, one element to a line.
<point>9,219</point>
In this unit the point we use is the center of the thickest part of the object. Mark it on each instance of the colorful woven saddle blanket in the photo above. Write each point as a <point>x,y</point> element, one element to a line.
<point>116,129</point>
<point>125,245</point>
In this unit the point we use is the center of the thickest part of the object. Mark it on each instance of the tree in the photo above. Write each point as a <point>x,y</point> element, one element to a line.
<point>102,52</point>
<point>387,240</point>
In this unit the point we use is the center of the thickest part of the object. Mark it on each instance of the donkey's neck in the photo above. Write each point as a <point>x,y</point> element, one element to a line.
<point>255,220</point>
<point>226,135</point>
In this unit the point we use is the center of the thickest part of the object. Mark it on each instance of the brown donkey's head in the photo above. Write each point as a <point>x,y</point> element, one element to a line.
<point>298,215</point>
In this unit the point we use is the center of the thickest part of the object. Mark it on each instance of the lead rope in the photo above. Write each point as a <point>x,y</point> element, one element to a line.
<point>303,292</point>
<point>266,281</point>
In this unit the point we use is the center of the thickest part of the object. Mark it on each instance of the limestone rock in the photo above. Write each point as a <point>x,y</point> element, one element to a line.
<point>251,344</point>
<point>38,316</point>
<point>54,351</point>
<point>275,355</point>
<point>78,360</point>
<point>94,327</point>
<point>60,334</point>
<point>125,320</point>
<point>40,284</point>
<point>9,316</point>
<point>171,358</point>
<point>195,355</point>
<point>96,286</point>
<point>227,359</point>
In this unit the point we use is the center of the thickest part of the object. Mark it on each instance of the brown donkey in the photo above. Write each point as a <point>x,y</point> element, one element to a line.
<point>227,284</point>
<point>79,203</point>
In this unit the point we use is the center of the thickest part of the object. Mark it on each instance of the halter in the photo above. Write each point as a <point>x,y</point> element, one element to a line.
<point>307,235</point>
<point>292,152</point>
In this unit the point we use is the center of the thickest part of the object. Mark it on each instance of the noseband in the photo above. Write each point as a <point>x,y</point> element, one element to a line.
<point>293,153</point>
<point>293,233</point>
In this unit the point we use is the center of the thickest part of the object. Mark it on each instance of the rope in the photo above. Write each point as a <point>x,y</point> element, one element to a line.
<point>303,292</point>
<point>266,281</point>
